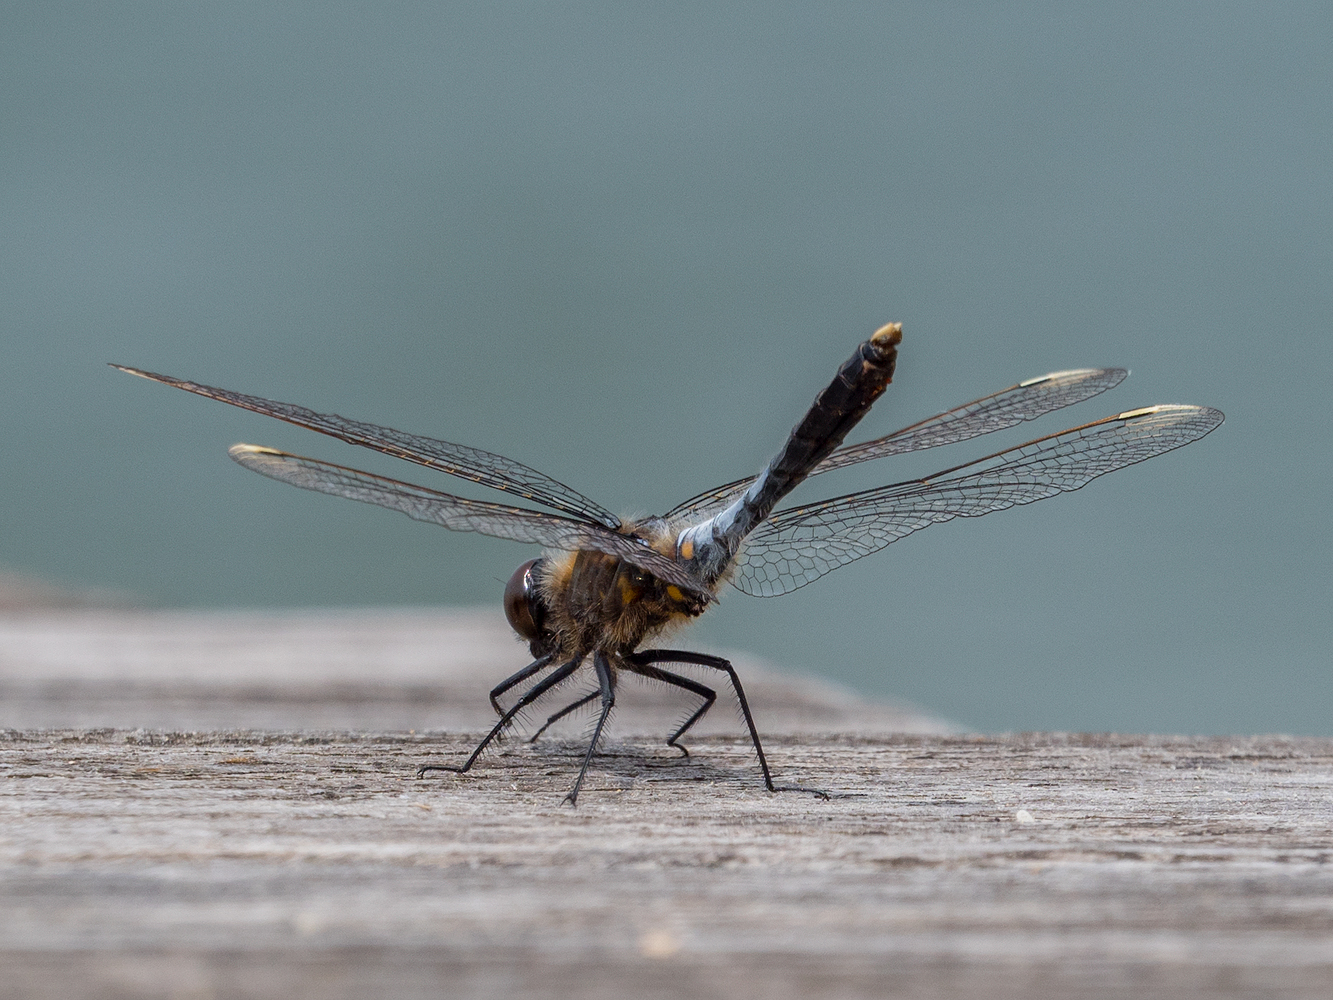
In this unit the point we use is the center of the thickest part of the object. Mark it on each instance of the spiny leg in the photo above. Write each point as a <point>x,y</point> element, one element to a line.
<point>572,707</point>
<point>532,694</point>
<point>518,678</point>
<point>607,689</point>
<point>718,663</point>
<point>709,696</point>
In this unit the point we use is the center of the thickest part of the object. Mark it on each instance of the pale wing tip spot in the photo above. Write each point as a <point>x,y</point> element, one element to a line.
<point>1073,375</point>
<point>131,371</point>
<point>1177,408</point>
<point>239,451</point>
<point>1146,411</point>
<point>1052,376</point>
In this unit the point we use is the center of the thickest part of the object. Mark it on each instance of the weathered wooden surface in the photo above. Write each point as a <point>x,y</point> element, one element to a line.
<point>258,864</point>
<point>363,670</point>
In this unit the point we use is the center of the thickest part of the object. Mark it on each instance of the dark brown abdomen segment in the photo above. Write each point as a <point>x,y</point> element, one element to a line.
<point>859,382</point>
<point>835,411</point>
<point>711,545</point>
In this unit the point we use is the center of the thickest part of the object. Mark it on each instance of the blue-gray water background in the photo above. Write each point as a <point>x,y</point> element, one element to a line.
<point>627,243</point>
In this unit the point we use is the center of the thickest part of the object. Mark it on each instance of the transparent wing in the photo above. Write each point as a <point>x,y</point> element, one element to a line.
<point>1026,401</point>
<point>473,464</point>
<point>801,544</point>
<point>461,514</point>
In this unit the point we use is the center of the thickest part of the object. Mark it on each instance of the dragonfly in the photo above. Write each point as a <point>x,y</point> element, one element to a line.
<point>605,586</point>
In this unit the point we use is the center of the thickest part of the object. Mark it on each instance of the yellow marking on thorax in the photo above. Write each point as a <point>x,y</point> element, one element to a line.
<point>558,570</point>
<point>687,549</point>
<point>628,592</point>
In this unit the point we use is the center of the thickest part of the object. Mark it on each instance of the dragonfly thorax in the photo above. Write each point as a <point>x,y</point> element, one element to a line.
<point>576,602</point>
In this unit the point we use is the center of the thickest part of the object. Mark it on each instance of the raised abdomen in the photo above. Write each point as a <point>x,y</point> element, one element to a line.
<point>861,380</point>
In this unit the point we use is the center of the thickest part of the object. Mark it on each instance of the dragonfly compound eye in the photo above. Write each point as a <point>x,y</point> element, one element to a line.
<point>523,604</point>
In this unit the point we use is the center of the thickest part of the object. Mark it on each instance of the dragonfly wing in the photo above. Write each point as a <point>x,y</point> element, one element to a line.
<point>473,464</point>
<point>1028,400</point>
<point>801,544</point>
<point>710,502</point>
<point>460,514</point>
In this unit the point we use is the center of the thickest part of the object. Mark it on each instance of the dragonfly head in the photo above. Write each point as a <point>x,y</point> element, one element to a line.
<point>524,606</point>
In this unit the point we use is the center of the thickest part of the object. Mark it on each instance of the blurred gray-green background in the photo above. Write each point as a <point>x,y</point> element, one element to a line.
<point>626,243</point>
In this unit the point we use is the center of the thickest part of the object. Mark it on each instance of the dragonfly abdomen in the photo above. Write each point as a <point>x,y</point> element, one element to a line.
<point>860,381</point>
<point>835,411</point>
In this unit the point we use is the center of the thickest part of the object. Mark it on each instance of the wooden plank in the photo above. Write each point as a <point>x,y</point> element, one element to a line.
<point>300,863</point>
<point>422,669</point>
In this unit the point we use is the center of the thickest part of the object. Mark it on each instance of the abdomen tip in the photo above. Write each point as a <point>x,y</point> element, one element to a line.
<point>888,335</point>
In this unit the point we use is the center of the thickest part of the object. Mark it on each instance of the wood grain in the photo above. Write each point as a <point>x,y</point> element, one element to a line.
<point>305,862</point>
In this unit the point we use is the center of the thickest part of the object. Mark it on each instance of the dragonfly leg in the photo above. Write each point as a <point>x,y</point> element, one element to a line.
<point>718,663</point>
<point>708,695</point>
<point>518,678</point>
<point>536,691</point>
<point>572,707</point>
<point>607,689</point>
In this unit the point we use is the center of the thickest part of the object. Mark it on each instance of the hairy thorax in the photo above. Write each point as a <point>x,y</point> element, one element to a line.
<point>596,601</point>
